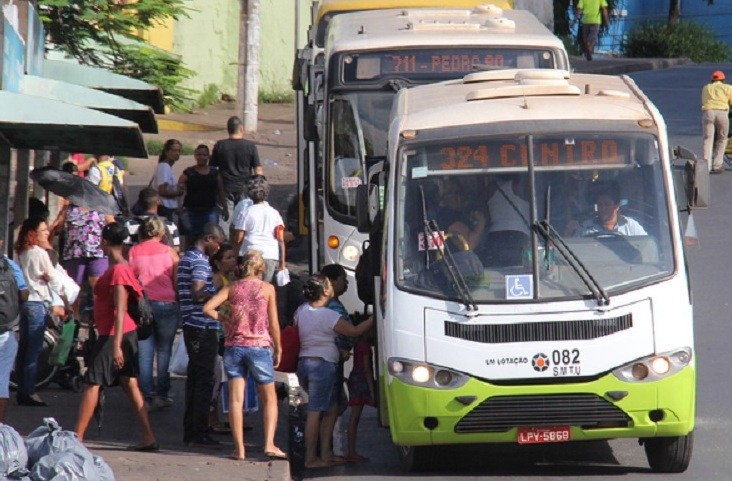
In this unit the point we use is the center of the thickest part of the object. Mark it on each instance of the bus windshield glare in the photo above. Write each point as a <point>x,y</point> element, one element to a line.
<point>603,194</point>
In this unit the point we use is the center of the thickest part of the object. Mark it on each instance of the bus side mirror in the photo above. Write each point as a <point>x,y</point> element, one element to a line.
<point>310,127</point>
<point>691,177</point>
<point>368,207</point>
<point>299,72</point>
<point>369,199</point>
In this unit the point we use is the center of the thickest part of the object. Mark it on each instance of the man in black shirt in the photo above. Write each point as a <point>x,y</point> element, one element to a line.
<point>237,159</point>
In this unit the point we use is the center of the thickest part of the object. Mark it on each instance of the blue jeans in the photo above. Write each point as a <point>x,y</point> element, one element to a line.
<point>192,221</point>
<point>317,376</point>
<point>243,361</point>
<point>32,329</point>
<point>161,343</point>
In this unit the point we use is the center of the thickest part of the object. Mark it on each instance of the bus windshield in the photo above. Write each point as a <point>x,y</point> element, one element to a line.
<point>469,207</point>
<point>358,129</point>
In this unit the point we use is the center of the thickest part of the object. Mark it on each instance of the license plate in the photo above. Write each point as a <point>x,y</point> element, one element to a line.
<point>553,434</point>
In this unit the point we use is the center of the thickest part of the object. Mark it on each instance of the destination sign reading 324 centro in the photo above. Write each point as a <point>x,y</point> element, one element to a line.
<point>506,154</point>
<point>438,63</point>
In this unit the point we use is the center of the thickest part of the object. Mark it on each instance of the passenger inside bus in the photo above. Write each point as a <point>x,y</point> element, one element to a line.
<point>455,215</point>
<point>508,230</point>
<point>608,219</point>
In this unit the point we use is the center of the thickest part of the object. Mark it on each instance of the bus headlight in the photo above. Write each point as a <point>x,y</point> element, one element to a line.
<point>350,253</point>
<point>421,374</point>
<point>425,375</point>
<point>653,368</point>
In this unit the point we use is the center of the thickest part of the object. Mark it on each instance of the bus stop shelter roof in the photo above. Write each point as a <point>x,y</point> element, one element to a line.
<point>29,122</point>
<point>111,104</point>
<point>101,79</point>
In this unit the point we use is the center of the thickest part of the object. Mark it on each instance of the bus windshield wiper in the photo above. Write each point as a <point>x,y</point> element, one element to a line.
<point>547,230</point>
<point>431,231</point>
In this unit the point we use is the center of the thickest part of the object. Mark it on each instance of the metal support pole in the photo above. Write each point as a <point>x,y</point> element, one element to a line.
<point>5,178</point>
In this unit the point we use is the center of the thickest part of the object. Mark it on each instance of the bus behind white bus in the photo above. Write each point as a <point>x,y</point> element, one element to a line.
<point>370,55</point>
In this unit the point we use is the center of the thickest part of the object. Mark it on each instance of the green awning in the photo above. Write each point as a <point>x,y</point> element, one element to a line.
<point>101,79</point>
<point>29,122</point>
<point>136,112</point>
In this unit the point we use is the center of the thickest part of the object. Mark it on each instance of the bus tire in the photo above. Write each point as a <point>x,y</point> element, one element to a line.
<point>669,455</point>
<point>416,458</point>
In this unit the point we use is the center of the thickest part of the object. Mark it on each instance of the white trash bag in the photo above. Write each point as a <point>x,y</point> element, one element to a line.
<point>13,454</point>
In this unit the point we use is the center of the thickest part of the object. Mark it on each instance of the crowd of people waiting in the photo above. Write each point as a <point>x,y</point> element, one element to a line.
<point>221,295</point>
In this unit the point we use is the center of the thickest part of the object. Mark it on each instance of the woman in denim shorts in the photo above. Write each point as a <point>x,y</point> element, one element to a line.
<point>252,346</point>
<point>316,370</point>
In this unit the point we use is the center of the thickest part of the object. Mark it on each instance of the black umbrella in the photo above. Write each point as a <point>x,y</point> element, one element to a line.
<point>76,190</point>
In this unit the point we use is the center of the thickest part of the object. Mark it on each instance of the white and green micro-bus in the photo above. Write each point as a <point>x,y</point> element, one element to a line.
<point>531,283</point>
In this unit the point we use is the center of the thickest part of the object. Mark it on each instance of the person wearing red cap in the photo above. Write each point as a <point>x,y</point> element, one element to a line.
<point>716,98</point>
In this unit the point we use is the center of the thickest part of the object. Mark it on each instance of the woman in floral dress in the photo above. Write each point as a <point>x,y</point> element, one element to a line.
<point>83,257</point>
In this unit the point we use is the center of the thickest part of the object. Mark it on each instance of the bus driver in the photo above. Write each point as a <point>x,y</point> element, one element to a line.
<point>608,218</point>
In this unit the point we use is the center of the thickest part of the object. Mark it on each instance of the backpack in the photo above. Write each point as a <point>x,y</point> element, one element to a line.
<point>9,304</point>
<point>140,310</point>
<point>111,183</point>
<point>365,274</point>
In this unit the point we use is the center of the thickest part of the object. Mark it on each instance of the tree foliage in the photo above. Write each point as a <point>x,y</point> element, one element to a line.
<point>108,34</point>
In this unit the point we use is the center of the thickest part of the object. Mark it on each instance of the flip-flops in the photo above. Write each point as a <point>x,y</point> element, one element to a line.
<point>145,448</point>
<point>357,458</point>
<point>275,455</point>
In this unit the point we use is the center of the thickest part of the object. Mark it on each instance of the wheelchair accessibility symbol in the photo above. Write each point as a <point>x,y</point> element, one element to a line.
<point>519,287</point>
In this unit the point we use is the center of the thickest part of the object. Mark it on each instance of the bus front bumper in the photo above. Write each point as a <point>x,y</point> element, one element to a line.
<point>480,412</point>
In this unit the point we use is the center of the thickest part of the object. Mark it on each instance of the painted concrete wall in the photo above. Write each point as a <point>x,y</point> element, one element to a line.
<point>278,44</point>
<point>208,42</point>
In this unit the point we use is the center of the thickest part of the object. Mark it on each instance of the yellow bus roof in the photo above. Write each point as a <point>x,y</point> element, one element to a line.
<point>328,8</point>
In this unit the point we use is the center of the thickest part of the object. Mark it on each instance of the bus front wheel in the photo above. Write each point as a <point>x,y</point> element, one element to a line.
<point>416,458</point>
<point>669,455</point>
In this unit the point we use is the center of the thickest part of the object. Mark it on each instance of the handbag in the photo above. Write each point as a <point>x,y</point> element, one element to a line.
<point>140,310</point>
<point>290,341</point>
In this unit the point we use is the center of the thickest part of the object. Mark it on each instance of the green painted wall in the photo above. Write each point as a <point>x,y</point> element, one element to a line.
<point>208,42</point>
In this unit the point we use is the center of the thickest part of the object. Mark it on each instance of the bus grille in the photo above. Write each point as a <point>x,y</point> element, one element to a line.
<point>539,331</point>
<point>501,413</point>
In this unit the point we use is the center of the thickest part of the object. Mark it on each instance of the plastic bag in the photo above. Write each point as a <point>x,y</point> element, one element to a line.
<point>251,399</point>
<point>179,359</point>
<point>66,466</point>
<point>283,277</point>
<point>103,470</point>
<point>51,439</point>
<point>13,454</point>
<point>60,353</point>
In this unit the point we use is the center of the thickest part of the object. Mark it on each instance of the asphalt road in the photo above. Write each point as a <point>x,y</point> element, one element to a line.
<point>675,91</point>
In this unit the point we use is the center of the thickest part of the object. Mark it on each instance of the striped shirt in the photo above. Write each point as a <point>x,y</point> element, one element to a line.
<point>172,237</point>
<point>194,266</point>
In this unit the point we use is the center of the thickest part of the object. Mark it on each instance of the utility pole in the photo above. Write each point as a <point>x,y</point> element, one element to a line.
<point>241,63</point>
<point>248,71</point>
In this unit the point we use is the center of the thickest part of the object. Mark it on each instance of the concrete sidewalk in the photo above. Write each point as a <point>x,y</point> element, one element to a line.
<point>174,461</point>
